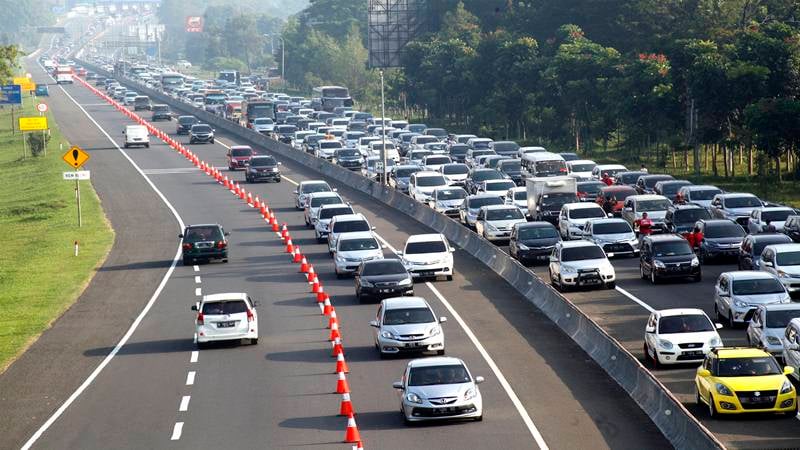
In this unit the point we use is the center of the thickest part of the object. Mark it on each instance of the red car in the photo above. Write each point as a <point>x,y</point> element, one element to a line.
<point>239,156</point>
<point>620,192</point>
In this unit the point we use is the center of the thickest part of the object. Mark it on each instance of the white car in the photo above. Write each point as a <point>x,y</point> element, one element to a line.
<point>354,248</point>
<point>428,256</point>
<point>435,162</point>
<point>264,125</point>
<point>783,261</point>
<point>573,217</point>
<point>680,335</point>
<point>496,222</point>
<point>407,324</point>
<point>345,223</point>
<point>327,148</point>
<point>307,187</point>
<point>439,388</point>
<point>416,156</point>
<point>581,168</point>
<point>422,184</point>
<point>518,196</point>
<point>225,317</point>
<point>325,214</point>
<point>315,201</point>
<point>737,294</point>
<point>456,173</point>
<point>610,169</point>
<point>776,216</point>
<point>376,147</point>
<point>496,187</point>
<point>614,235</point>
<point>580,264</point>
<point>448,200</point>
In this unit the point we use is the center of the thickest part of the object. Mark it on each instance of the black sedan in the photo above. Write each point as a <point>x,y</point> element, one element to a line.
<point>263,168</point>
<point>382,278</point>
<point>532,241</point>
<point>185,124</point>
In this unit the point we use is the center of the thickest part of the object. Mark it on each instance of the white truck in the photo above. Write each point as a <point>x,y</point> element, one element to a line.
<point>64,75</point>
<point>546,196</point>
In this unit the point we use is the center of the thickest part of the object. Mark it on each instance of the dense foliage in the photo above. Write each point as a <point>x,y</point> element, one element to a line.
<point>19,20</point>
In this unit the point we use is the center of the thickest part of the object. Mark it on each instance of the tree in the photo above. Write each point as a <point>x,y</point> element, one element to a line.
<point>8,62</point>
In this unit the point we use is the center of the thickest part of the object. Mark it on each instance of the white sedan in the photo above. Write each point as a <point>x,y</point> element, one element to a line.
<point>680,335</point>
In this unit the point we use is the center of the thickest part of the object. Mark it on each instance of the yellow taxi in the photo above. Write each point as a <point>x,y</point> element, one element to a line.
<point>744,380</point>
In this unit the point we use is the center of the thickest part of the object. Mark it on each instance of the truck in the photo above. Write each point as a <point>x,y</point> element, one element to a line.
<point>64,74</point>
<point>233,111</point>
<point>546,196</point>
<point>255,109</point>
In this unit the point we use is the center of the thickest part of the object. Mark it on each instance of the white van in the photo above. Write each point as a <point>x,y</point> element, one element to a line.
<point>136,135</point>
<point>544,164</point>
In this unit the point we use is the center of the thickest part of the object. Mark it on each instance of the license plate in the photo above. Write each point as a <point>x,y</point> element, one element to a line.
<point>693,353</point>
<point>385,291</point>
<point>226,324</point>
<point>413,344</point>
<point>427,273</point>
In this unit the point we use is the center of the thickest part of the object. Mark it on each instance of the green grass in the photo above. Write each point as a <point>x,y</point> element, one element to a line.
<point>39,275</point>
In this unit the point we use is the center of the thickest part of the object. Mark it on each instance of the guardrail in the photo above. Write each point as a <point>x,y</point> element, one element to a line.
<point>677,424</point>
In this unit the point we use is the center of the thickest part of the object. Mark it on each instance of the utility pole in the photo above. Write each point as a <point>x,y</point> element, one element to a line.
<point>383,133</point>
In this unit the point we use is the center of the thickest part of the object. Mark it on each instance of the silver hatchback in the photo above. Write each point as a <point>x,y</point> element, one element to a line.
<point>738,294</point>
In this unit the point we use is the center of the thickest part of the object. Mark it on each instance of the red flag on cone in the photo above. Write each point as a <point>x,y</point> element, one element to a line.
<point>341,364</point>
<point>341,384</point>
<point>351,435</point>
<point>346,407</point>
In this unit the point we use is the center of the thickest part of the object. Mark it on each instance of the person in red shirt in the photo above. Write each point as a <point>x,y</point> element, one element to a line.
<point>695,237</point>
<point>645,225</point>
<point>607,179</point>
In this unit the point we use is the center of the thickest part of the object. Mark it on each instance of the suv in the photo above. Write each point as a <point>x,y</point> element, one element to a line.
<point>574,216</point>
<point>783,261</point>
<point>325,214</point>
<point>315,201</point>
<point>734,207</point>
<point>754,244</point>
<point>226,317</point>
<point>737,294</point>
<point>495,222</point>
<point>141,102</point>
<point>682,218</point>
<point>263,167</point>
<point>161,112</point>
<point>646,184</point>
<point>354,248</point>
<point>667,256</point>
<point>768,324</point>
<point>656,207</point>
<point>204,242</point>
<point>615,236</point>
<point>776,216</point>
<point>345,223</point>
<point>580,264</point>
<point>721,238</point>
<point>184,124</point>
<point>239,156</point>
<point>201,132</point>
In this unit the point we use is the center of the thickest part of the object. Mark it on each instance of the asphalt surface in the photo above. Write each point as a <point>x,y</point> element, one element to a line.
<point>278,394</point>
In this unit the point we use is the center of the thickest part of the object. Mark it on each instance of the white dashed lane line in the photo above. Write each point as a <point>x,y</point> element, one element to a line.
<point>177,430</point>
<point>184,406</point>
<point>190,377</point>
<point>197,279</point>
<point>198,292</point>
<point>196,268</point>
<point>193,358</point>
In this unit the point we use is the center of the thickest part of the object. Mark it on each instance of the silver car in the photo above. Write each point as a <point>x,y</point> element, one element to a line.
<point>614,236</point>
<point>407,324</point>
<point>448,200</point>
<point>307,187</point>
<point>738,294</point>
<point>768,325</point>
<point>315,201</point>
<point>345,223</point>
<point>495,222</point>
<point>473,204</point>
<point>354,248</point>
<point>439,388</point>
<point>324,216</point>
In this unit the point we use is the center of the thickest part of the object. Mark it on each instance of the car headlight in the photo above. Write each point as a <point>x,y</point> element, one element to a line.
<point>787,387</point>
<point>470,393</point>
<point>715,342</point>
<point>659,264</point>
<point>723,390</point>
<point>523,247</point>
<point>274,169</point>
<point>413,398</point>
<point>491,227</point>
<point>739,304</point>
<point>387,335</point>
<point>665,344</point>
<point>405,282</point>
<point>340,258</point>
<point>695,262</point>
<point>772,340</point>
<point>367,283</point>
<point>434,331</point>
<point>568,269</point>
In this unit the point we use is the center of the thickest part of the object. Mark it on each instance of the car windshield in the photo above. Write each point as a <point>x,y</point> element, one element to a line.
<point>521,195</point>
<point>209,233</point>
<point>348,153</point>
<point>581,253</point>
<point>451,194</point>
<point>433,375</point>
<point>677,248</point>
<point>505,146</point>
<point>355,245</point>
<point>263,161</point>
<point>483,175</point>
<point>591,188</point>
<point>455,169</point>
<point>776,216</point>
<point>582,167</point>
<point>224,308</point>
<point>406,172</point>
<point>327,213</point>
<point>502,186</point>
<point>186,120</point>
<point>788,258</point>
<point>510,166</point>
<point>418,155</point>
<point>780,319</point>
<point>759,244</point>
<point>484,201</point>
<point>351,226</point>
<point>419,248</point>
<point>201,129</point>
<point>431,181</point>
<point>437,160</point>
<point>586,213</point>
<point>629,177</point>
<point>526,233</point>
<point>611,228</point>
<point>747,367</point>
<point>315,187</point>
<point>319,201</point>
<point>263,121</point>
<point>703,194</point>
<point>651,181</point>
<point>653,205</point>
<point>670,189</point>
<point>758,286</point>
<point>241,152</point>
<point>550,167</point>
<point>723,230</point>
<point>404,316</point>
<point>504,214</point>
<point>743,202</point>
<point>690,215</point>
<point>694,323</point>
<point>385,267</point>
<point>558,199</point>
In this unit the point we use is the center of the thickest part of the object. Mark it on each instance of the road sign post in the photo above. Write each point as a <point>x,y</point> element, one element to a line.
<point>75,157</point>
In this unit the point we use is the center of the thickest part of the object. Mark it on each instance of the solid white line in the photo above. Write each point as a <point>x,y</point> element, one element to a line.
<point>184,406</point>
<point>198,292</point>
<point>176,431</point>
<point>197,279</point>
<point>90,379</point>
<point>196,268</point>
<point>193,358</point>
<point>290,180</point>
<point>635,299</point>
<point>190,377</point>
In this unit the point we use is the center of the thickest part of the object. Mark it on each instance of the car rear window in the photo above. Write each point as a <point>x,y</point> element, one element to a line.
<point>425,247</point>
<point>484,201</point>
<point>351,226</point>
<point>675,248</point>
<point>581,253</point>
<point>319,201</point>
<point>327,213</point>
<point>209,233</point>
<point>263,161</point>
<point>354,245</point>
<point>224,307</point>
<point>385,267</point>
<point>723,230</point>
<point>315,187</point>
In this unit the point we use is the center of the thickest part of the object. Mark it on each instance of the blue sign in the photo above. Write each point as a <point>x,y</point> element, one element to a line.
<point>10,94</point>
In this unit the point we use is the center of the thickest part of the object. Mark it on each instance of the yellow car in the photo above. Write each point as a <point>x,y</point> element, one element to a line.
<point>744,380</point>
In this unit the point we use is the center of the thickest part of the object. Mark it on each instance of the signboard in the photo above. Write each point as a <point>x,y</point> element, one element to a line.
<point>77,175</point>
<point>25,83</point>
<point>32,123</point>
<point>194,24</point>
<point>41,107</point>
<point>10,94</point>
<point>76,157</point>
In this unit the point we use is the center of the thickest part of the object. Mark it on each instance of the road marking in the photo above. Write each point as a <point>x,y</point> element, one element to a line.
<point>95,104</point>
<point>190,377</point>
<point>183,170</point>
<point>90,379</point>
<point>184,406</point>
<point>176,431</point>
<point>198,291</point>
<point>635,299</point>
<point>196,268</point>
<point>193,358</point>
<point>197,279</point>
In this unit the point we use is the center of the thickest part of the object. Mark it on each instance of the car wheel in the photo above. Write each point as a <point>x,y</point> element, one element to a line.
<point>212,141</point>
<point>383,355</point>
<point>146,145</point>
<point>449,278</point>
<point>225,260</point>
<point>698,278</point>
<point>731,323</point>
<point>440,352</point>
<point>201,345</point>
<point>611,285</point>
<point>653,277</point>
<point>641,272</point>
<point>479,418</point>
<point>712,409</point>
<point>278,180</point>
<point>187,261</point>
<point>717,313</point>
<point>254,341</point>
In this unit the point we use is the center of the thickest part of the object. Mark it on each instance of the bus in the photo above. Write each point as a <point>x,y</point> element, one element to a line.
<point>171,81</point>
<point>326,98</point>
<point>255,109</point>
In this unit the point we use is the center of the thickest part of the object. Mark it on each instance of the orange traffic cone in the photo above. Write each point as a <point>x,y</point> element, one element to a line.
<point>298,257</point>
<point>304,265</point>
<point>351,435</point>
<point>321,294</point>
<point>257,203</point>
<point>346,408</point>
<point>273,221</point>
<point>314,284</point>
<point>311,273</point>
<point>327,307</point>
<point>289,245</point>
<point>284,231</point>
<point>250,198</point>
<point>341,364</point>
<point>263,210</point>
<point>332,319</point>
<point>242,194</point>
<point>342,386</point>
<point>335,332</point>
<point>337,348</point>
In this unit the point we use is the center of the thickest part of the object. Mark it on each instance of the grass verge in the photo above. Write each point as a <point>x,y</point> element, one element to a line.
<point>39,275</point>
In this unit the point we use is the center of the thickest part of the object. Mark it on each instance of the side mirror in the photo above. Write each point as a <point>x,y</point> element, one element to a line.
<point>718,326</point>
<point>295,192</point>
<point>398,385</point>
<point>194,307</point>
<point>442,319</point>
<point>374,323</point>
<point>180,236</point>
<point>479,380</point>
<point>767,263</point>
<point>280,163</point>
<point>452,250</point>
<point>335,190</point>
<point>788,370</point>
<point>703,372</point>
<point>227,233</point>
<point>650,329</point>
<point>384,247</point>
<point>373,228</point>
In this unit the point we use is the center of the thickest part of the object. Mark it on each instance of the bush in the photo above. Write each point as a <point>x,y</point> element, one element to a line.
<point>37,142</point>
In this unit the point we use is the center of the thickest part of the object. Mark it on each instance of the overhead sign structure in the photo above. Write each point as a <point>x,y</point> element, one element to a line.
<point>10,94</point>
<point>41,107</point>
<point>77,175</point>
<point>25,83</point>
<point>76,157</point>
<point>32,123</point>
<point>194,24</point>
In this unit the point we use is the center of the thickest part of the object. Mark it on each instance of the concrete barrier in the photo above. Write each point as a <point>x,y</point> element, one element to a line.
<point>677,424</point>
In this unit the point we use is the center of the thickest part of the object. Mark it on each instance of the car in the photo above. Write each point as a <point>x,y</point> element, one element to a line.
<point>127,99</point>
<point>518,196</point>
<point>611,169</point>
<point>646,184</point>
<point>628,178</point>
<point>783,261</point>
<point>790,340</point>
<point>315,201</point>
<point>448,200</point>
<point>325,214</point>
<point>774,216</point>
<point>737,294</point>
<point>735,207</point>
<point>588,191</point>
<point>326,148</point>
<point>535,149</point>
<point>505,148</point>
<point>264,125</point>
<point>458,153</point>
<point>478,176</point>
<point>354,248</point>
<point>701,195</point>
<point>721,239</point>
<point>226,317</point>
<point>184,124</point>
<point>615,236</point>
<point>768,326</point>
<point>792,228</point>
<point>399,176</point>
<point>307,187</point>
<point>136,135</point>
<point>656,207</point>
<point>345,223</point>
<point>729,379</point>
<point>495,222</point>
<point>581,168</point>
<point>475,156</point>
<point>532,241</point>
<point>573,217</point>
<point>203,242</point>
<point>201,133</point>
<point>680,335</point>
<point>239,156</point>
<point>262,167</point>
<point>496,187</point>
<point>382,278</point>
<point>670,188</point>
<point>455,173</point>
<point>576,264</point>
<point>161,112</point>
<point>373,168</point>
<point>349,158</point>
<point>479,143</point>
<point>667,256</point>
<point>472,205</point>
<point>512,168</point>
<point>430,380</point>
<point>428,256</point>
<point>754,244</point>
<point>437,148</point>
<point>491,161</point>
<point>569,156</point>
<point>681,219</point>
<point>614,196</point>
<point>406,325</point>
<point>422,184</point>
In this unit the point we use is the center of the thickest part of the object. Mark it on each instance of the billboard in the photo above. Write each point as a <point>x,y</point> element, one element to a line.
<point>391,25</point>
<point>194,24</point>
<point>10,94</point>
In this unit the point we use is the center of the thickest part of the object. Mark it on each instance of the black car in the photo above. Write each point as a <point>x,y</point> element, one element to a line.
<point>570,156</point>
<point>505,148</point>
<point>681,218</point>
<point>532,241</point>
<point>201,132</point>
<point>589,190</point>
<point>791,228</point>
<point>382,278</point>
<point>349,158</point>
<point>161,112</point>
<point>513,169</point>
<point>664,256</point>
<point>185,124</point>
<point>753,245</point>
<point>263,168</point>
<point>670,188</point>
<point>628,178</point>
<point>458,152</point>
<point>721,239</point>
<point>204,242</point>
<point>647,183</point>
<point>478,176</point>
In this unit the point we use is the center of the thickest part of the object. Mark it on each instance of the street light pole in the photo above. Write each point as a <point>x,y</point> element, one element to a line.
<point>383,133</point>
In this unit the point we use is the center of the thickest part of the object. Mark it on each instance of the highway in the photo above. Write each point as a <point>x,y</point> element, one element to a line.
<point>159,391</point>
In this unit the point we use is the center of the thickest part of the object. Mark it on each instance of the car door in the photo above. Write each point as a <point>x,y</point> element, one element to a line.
<point>755,329</point>
<point>555,263</point>
<point>512,242</point>
<point>650,335</point>
<point>768,261</point>
<point>746,253</point>
<point>479,221</point>
<point>722,295</point>
<point>646,257</point>
<point>754,222</point>
<point>791,350</point>
<point>704,383</point>
<point>628,213</point>
<point>563,223</point>
<point>412,186</point>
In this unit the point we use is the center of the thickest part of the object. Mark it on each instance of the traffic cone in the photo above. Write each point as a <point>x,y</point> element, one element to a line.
<point>327,307</point>
<point>274,221</point>
<point>335,332</point>
<point>257,203</point>
<point>236,189</point>
<point>342,386</point>
<point>321,294</point>
<point>284,232</point>
<point>298,257</point>
<point>289,246</point>
<point>243,194</point>
<point>325,298</point>
<point>304,265</point>
<point>351,435</point>
<point>332,319</point>
<point>250,198</point>
<point>314,284</point>
<point>341,364</point>
<point>263,210</point>
<point>358,446</point>
<point>311,272</point>
<point>346,408</point>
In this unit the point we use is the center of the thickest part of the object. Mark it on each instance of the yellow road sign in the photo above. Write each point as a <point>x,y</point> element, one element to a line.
<point>25,83</point>
<point>75,157</point>
<point>32,123</point>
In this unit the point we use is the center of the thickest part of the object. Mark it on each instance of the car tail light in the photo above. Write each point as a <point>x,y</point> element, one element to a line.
<point>250,316</point>
<point>200,320</point>
<point>187,246</point>
<point>222,244</point>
